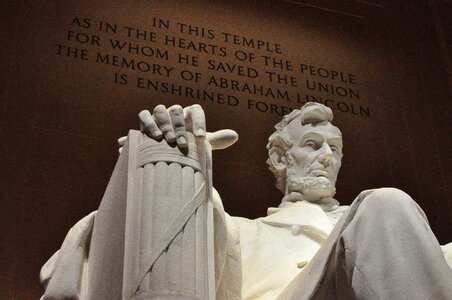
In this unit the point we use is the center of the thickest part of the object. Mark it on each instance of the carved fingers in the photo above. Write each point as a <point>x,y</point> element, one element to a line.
<point>174,123</point>
<point>195,120</point>
<point>222,139</point>
<point>178,120</point>
<point>148,125</point>
<point>163,120</point>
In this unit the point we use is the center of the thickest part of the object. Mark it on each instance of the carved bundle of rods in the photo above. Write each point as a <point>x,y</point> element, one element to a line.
<point>167,222</point>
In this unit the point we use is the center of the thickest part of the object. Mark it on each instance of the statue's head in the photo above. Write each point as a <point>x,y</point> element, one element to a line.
<point>305,153</point>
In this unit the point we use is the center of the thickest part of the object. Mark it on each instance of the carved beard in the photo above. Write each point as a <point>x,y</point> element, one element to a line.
<point>313,189</point>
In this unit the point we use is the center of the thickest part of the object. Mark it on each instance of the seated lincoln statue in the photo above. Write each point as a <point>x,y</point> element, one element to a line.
<point>161,231</point>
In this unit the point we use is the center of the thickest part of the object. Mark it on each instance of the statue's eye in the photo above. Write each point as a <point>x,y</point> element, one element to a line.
<point>311,144</point>
<point>335,149</point>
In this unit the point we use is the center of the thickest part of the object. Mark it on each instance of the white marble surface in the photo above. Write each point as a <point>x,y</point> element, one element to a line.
<point>254,259</point>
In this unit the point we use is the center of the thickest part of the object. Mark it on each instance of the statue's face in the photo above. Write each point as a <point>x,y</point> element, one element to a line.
<point>314,160</point>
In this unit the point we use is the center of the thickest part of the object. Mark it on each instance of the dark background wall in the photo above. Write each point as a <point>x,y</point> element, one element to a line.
<point>60,116</point>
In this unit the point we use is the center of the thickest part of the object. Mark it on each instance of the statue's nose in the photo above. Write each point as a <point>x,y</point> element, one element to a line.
<point>326,154</point>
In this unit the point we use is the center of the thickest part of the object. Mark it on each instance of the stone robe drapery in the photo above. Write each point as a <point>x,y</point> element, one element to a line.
<point>273,273</point>
<point>297,253</point>
<point>276,248</point>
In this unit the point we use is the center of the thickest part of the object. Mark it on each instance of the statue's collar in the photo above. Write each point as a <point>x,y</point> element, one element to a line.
<point>301,217</point>
<point>327,204</point>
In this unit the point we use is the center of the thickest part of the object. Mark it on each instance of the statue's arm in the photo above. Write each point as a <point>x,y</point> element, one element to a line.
<point>228,267</point>
<point>63,275</point>
<point>173,125</point>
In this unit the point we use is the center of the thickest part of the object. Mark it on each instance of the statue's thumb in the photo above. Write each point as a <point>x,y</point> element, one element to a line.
<point>222,139</point>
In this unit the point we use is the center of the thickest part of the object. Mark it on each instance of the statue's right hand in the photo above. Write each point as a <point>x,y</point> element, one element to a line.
<point>174,123</point>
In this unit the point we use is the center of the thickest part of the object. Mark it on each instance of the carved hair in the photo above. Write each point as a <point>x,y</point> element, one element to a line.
<point>279,143</point>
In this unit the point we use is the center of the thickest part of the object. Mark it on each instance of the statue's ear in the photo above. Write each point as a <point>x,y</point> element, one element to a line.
<point>278,158</point>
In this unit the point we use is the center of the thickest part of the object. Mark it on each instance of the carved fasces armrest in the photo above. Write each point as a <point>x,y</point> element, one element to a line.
<point>169,227</point>
<point>170,185</point>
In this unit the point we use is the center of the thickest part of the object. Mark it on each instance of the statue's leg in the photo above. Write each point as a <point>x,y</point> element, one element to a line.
<point>388,251</point>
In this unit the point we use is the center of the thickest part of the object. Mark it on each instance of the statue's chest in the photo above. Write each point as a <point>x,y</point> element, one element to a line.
<point>271,257</point>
